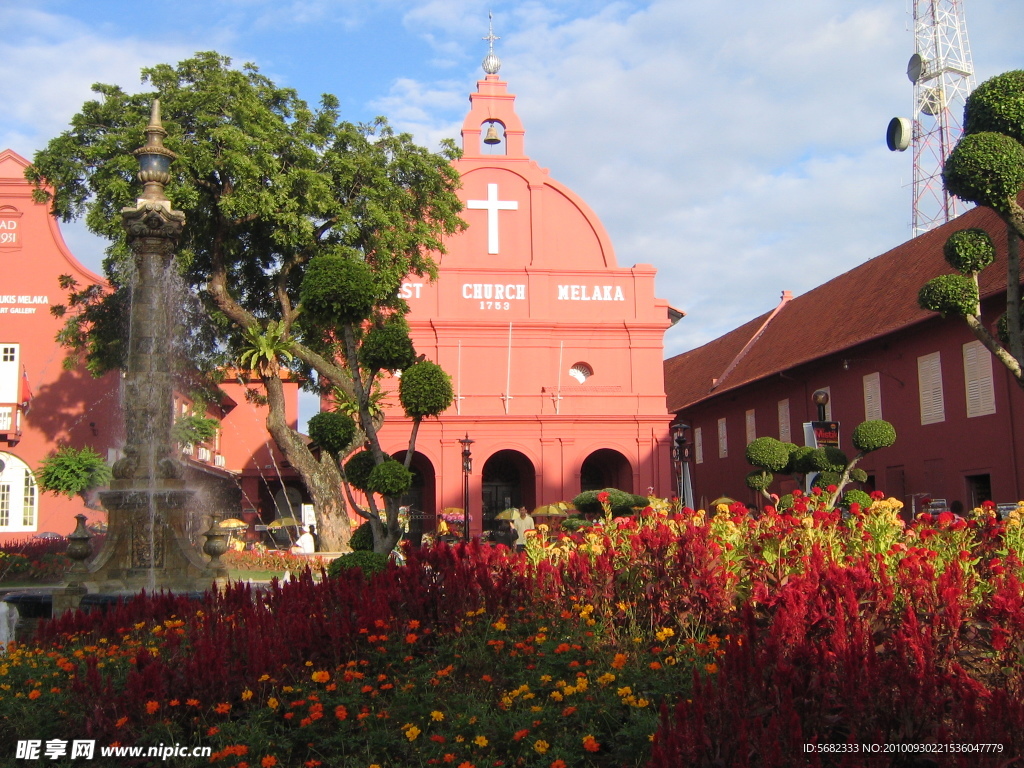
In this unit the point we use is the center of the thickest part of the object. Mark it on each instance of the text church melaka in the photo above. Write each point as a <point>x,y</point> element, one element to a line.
<point>555,352</point>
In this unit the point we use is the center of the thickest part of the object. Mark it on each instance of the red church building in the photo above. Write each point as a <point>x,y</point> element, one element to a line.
<point>861,337</point>
<point>555,351</point>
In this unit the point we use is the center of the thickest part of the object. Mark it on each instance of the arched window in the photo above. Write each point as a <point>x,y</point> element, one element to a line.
<point>19,495</point>
<point>581,372</point>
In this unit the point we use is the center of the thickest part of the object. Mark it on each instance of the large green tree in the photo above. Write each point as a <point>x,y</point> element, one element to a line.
<point>987,168</point>
<point>300,229</point>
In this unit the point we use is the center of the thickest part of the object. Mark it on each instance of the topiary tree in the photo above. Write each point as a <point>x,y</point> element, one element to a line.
<point>300,228</point>
<point>867,436</point>
<point>768,455</point>
<point>987,168</point>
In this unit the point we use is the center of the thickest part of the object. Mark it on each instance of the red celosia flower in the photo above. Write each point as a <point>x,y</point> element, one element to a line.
<point>945,518</point>
<point>602,497</point>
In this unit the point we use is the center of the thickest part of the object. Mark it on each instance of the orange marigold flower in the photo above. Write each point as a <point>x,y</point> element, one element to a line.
<point>34,694</point>
<point>151,707</point>
<point>213,730</point>
<point>341,712</point>
<point>221,709</point>
<point>619,661</point>
<point>449,757</point>
<point>655,665</point>
<point>321,676</point>
<point>559,764</point>
<point>120,721</point>
<point>438,738</point>
<point>192,702</point>
<point>590,743</point>
<point>411,638</point>
<point>520,735</point>
<point>174,703</point>
<point>268,762</point>
<point>711,668</point>
<point>568,711</point>
<point>466,764</point>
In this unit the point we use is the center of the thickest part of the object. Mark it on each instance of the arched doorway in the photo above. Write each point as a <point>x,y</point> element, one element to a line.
<point>421,496</point>
<point>509,480</point>
<point>606,468</point>
<point>19,495</point>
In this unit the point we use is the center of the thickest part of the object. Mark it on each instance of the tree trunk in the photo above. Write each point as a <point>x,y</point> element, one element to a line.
<point>321,475</point>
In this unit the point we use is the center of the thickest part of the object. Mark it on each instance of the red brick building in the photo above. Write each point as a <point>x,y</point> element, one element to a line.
<point>958,414</point>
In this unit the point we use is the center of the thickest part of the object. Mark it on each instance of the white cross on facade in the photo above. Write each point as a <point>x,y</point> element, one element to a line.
<point>492,205</point>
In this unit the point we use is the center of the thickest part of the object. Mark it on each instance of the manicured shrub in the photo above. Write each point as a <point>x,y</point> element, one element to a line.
<point>856,497</point>
<point>358,469</point>
<point>387,346</point>
<point>337,289</point>
<point>621,503</point>
<point>969,250</point>
<point>425,390</point>
<point>332,430</point>
<point>574,523</point>
<point>390,478</point>
<point>986,168</point>
<point>949,294</point>
<point>70,471</point>
<point>759,479</point>
<point>369,562</point>
<point>828,459</point>
<point>362,538</point>
<point>872,435</point>
<point>768,453</point>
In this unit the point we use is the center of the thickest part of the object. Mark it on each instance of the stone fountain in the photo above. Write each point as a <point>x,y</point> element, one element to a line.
<point>147,545</point>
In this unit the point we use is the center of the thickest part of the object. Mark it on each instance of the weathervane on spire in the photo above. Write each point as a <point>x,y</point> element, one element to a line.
<point>491,62</point>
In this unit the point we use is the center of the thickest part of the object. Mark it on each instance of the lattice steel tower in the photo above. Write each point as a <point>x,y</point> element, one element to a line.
<point>943,75</point>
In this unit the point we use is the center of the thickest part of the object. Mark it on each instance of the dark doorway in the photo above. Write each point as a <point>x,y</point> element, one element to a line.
<point>979,489</point>
<point>508,480</point>
<point>606,468</point>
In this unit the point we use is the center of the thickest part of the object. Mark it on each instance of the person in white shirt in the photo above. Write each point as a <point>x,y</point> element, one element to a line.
<point>522,522</point>
<point>305,544</point>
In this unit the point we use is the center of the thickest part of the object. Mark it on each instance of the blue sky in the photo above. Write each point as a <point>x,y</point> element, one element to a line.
<point>739,147</point>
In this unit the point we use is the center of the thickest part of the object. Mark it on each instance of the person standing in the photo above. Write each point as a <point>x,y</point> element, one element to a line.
<point>523,522</point>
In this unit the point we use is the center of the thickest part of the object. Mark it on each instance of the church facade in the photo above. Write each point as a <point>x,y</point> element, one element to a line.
<point>555,351</point>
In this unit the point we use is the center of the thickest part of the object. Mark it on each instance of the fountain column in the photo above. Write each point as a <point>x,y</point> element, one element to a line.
<point>147,544</point>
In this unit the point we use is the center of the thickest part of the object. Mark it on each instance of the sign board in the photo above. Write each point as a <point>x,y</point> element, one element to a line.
<point>821,434</point>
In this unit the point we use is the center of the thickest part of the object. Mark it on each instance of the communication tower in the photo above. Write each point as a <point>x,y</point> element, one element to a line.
<point>943,76</point>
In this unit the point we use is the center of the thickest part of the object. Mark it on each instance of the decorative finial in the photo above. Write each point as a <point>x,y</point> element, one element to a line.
<point>491,62</point>
<point>154,158</point>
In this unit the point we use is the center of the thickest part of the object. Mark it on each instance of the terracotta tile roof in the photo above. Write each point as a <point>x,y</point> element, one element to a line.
<point>875,299</point>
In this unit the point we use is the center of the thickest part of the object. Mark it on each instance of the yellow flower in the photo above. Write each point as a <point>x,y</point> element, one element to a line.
<point>664,634</point>
<point>321,676</point>
<point>246,694</point>
<point>480,741</point>
<point>412,732</point>
<point>500,625</point>
<point>540,746</point>
<point>437,716</point>
<point>624,691</point>
<point>273,703</point>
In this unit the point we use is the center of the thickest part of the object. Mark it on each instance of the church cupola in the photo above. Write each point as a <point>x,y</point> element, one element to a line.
<point>492,128</point>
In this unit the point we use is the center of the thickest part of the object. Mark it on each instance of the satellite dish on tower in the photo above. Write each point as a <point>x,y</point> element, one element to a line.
<point>916,67</point>
<point>899,134</point>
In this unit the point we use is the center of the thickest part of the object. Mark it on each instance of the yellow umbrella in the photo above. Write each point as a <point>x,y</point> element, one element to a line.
<point>233,523</point>
<point>549,510</point>
<point>508,514</point>
<point>284,522</point>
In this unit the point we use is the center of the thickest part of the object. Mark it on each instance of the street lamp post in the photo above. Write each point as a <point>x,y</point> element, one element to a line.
<point>467,469</point>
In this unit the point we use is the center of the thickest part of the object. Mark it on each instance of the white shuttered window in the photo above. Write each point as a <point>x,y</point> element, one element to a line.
<point>929,382</point>
<point>872,397</point>
<point>981,396</point>
<point>698,444</point>
<point>784,431</point>
<point>723,443</point>
<point>751,427</point>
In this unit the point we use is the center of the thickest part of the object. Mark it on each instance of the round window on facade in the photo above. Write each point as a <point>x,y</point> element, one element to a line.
<point>581,372</point>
